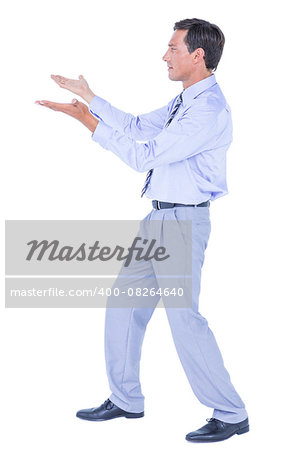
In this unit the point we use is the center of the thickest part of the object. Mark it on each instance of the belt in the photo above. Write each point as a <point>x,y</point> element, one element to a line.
<point>161,205</point>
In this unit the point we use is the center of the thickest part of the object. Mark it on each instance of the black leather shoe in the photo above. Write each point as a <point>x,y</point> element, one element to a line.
<point>108,410</point>
<point>216,430</point>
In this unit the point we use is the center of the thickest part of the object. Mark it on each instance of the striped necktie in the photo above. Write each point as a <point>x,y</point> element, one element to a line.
<point>171,117</point>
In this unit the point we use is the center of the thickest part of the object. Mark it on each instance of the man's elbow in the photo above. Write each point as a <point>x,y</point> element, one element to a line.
<point>143,166</point>
<point>140,168</point>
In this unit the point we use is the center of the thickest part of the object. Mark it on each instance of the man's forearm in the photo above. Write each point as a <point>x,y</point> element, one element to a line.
<point>89,121</point>
<point>88,95</point>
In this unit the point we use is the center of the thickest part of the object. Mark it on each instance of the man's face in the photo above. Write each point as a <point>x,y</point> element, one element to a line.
<point>178,58</point>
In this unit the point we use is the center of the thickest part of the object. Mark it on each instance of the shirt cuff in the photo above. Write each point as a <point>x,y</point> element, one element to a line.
<point>96,105</point>
<point>102,134</point>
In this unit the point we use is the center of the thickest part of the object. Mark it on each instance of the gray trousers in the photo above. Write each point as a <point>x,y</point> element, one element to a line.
<point>194,341</point>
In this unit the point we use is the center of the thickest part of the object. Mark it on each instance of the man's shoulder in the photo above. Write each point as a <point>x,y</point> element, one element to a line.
<point>212,99</point>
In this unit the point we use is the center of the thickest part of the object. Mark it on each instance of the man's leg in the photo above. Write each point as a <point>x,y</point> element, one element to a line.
<point>124,333</point>
<point>125,328</point>
<point>195,343</point>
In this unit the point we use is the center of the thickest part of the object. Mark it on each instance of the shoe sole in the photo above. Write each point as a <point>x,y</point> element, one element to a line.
<point>241,431</point>
<point>134,415</point>
<point>127,416</point>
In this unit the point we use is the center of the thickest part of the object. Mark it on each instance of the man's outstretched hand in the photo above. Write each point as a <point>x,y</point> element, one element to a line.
<point>76,109</point>
<point>79,87</point>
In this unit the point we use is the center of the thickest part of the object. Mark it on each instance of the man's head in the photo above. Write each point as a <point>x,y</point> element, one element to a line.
<point>195,50</point>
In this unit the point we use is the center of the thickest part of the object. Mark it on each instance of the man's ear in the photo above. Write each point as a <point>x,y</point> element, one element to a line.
<point>199,54</point>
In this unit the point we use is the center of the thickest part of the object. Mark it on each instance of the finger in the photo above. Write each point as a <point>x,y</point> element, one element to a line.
<point>45,103</point>
<point>74,101</point>
<point>81,77</point>
<point>53,105</point>
<point>59,79</point>
<point>42,102</point>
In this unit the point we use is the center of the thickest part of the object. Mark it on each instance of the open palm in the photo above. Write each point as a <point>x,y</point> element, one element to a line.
<point>79,87</point>
<point>76,109</point>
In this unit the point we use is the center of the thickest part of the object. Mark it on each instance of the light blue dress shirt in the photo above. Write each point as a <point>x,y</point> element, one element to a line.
<point>188,157</point>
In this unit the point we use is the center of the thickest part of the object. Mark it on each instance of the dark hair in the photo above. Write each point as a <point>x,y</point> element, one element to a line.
<point>205,35</point>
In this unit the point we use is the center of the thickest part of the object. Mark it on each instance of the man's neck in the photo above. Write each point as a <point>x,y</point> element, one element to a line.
<point>194,79</point>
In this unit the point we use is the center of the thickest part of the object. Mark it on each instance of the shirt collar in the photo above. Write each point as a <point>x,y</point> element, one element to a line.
<point>195,89</point>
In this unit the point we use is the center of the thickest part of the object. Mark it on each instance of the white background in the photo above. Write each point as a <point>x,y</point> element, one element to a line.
<point>53,360</point>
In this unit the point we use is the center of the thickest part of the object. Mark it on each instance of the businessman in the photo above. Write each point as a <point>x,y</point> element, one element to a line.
<point>184,154</point>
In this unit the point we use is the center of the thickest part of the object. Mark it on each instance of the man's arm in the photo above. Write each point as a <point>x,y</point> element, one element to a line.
<point>142,127</point>
<point>199,129</point>
<point>196,131</point>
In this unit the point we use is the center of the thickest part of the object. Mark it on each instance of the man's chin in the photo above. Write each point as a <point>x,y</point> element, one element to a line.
<point>172,77</point>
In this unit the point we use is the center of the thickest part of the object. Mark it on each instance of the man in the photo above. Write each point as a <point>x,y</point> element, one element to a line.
<point>184,152</point>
